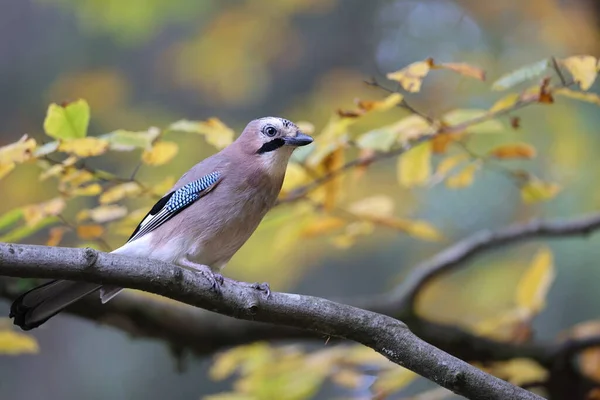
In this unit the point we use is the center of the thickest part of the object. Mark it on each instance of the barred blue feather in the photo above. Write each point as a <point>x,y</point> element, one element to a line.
<point>175,202</point>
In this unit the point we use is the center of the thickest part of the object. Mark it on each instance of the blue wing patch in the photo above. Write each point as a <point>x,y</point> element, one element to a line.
<point>174,202</point>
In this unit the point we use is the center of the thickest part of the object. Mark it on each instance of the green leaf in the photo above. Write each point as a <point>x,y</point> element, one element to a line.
<point>520,75</point>
<point>122,140</point>
<point>68,122</point>
<point>10,218</point>
<point>457,117</point>
<point>25,231</point>
<point>378,139</point>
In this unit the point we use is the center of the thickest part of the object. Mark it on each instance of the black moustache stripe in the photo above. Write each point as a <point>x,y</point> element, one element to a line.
<point>270,146</point>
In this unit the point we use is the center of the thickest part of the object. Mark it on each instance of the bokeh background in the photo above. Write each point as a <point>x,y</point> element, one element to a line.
<point>142,63</point>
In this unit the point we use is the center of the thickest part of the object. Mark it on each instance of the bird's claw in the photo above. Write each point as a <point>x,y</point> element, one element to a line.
<point>216,280</point>
<point>263,287</point>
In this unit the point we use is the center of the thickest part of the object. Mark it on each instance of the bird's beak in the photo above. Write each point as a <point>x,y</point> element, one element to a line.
<point>301,139</point>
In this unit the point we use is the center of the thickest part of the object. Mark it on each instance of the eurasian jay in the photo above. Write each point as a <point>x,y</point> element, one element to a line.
<point>200,223</point>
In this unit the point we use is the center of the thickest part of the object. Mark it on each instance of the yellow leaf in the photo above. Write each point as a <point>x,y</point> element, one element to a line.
<point>306,127</point>
<point>69,121</point>
<point>161,153</point>
<point>13,343</point>
<point>392,380</point>
<point>535,190</point>
<point>411,127</point>
<point>533,286</point>
<point>54,170</point>
<point>17,152</point>
<point>88,190</point>
<point>215,132</point>
<point>5,169</point>
<point>475,120</point>
<point>411,77</point>
<point>463,69</point>
<point>448,164</point>
<point>380,206</point>
<point>463,178</point>
<point>583,69</point>
<point>103,213</point>
<point>414,166</point>
<point>519,371</point>
<point>332,137</point>
<point>505,103</point>
<point>227,362</point>
<point>121,191</point>
<point>34,213</point>
<point>419,229</point>
<point>75,177</point>
<point>389,102</point>
<point>573,94</point>
<point>347,378</point>
<point>503,326</point>
<point>516,150</point>
<point>322,226</point>
<point>161,188</point>
<point>84,147</point>
<point>88,232</point>
<point>55,236</point>
<point>295,176</point>
<point>333,187</point>
<point>589,359</point>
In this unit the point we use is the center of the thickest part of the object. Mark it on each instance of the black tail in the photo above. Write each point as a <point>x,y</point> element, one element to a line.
<point>38,305</point>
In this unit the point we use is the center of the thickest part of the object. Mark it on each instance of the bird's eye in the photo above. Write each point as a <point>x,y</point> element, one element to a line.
<point>270,131</point>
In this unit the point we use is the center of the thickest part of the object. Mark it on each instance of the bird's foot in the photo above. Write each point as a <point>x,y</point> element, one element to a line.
<point>262,287</point>
<point>216,280</point>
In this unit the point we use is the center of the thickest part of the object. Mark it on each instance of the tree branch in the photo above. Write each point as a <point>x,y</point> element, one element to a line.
<point>459,253</point>
<point>385,335</point>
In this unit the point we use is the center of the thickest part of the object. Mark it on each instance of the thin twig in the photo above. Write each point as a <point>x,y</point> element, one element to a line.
<point>403,104</point>
<point>304,190</point>
<point>563,81</point>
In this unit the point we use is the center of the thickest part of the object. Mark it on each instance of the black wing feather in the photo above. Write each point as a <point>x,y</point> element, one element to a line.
<point>175,202</point>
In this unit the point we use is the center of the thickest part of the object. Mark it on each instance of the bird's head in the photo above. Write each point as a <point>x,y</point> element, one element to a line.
<point>272,140</point>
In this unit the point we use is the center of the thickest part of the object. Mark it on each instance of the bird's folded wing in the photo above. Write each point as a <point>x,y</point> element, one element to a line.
<point>174,202</point>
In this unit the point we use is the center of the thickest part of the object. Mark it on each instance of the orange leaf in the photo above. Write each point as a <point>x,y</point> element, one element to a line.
<point>411,77</point>
<point>589,359</point>
<point>441,141</point>
<point>36,212</point>
<point>463,178</point>
<point>463,69</point>
<point>56,235</point>
<point>517,150</point>
<point>333,187</point>
<point>88,232</point>
<point>322,226</point>
<point>391,101</point>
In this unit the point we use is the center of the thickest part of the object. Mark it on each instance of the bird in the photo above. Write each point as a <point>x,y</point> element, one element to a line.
<point>200,223</point>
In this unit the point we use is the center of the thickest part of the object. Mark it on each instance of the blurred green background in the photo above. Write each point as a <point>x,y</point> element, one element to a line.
<point>142,63</point>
